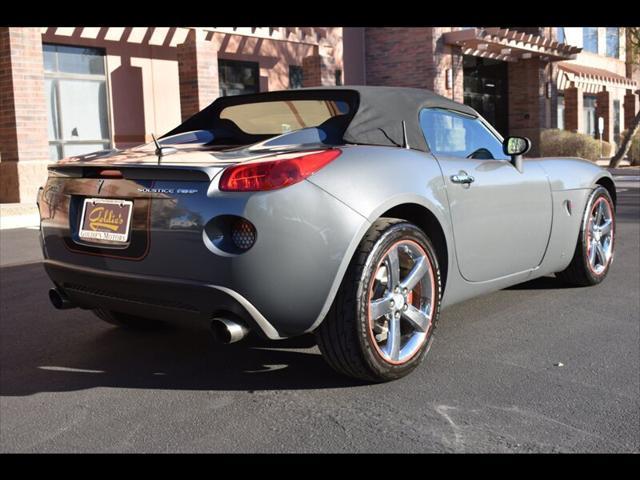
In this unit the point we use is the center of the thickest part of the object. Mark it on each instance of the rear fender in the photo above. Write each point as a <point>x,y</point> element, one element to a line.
<point>374,180</point>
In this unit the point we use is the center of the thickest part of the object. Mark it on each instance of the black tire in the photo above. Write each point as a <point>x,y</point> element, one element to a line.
<point>344,336</point>
<point>124,320</point>
<point>579,272</point>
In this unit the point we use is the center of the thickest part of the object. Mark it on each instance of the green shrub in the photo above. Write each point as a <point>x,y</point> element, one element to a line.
<point>563,143</point>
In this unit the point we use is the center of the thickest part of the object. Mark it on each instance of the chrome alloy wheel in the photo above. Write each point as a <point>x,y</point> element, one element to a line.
<point>600,228</point>
<point>401,306</point>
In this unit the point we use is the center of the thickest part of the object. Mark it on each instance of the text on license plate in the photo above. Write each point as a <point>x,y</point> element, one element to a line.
<point>106,219</point>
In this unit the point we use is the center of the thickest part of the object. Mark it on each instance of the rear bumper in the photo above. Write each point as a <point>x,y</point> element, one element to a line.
<point>305,240</point>
<point>154,297</point>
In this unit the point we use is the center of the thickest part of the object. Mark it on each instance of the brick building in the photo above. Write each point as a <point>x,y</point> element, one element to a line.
<point>66,91</point>
<point>522,80</point>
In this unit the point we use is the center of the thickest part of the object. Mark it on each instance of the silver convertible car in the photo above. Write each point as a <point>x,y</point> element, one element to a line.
<point>355,213</point>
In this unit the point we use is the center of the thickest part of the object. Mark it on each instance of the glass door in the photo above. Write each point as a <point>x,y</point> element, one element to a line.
<point>485,90</point>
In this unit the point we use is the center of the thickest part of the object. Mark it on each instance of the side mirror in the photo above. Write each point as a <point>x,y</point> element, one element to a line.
<point>516,147</point>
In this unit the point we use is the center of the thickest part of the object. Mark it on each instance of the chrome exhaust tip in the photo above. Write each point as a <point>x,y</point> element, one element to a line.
<point>228,331</point>
<point>59,300</point>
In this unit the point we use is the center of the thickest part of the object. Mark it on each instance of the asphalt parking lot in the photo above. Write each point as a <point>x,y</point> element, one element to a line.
<point>71,383</point>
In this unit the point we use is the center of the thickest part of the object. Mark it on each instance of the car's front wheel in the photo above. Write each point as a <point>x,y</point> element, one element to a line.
<point>594,250</point>
<point>382,319</point>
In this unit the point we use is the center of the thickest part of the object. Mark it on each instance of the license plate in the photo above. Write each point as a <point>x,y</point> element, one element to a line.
<point>106,220</point>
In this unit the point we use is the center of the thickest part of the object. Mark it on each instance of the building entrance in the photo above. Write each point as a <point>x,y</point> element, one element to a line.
<point>486,89</point>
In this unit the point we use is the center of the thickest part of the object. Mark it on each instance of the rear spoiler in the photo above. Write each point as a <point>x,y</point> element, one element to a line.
<point>137,172</point>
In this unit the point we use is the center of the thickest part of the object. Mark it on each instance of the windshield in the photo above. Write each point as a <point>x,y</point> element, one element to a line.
<point>278,117</point>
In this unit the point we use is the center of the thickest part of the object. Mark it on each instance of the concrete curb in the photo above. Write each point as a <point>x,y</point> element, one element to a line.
<point>604,162</point>
<point>19,221</point>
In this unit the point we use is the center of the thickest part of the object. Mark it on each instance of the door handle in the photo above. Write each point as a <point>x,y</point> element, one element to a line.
<point>463,178</point>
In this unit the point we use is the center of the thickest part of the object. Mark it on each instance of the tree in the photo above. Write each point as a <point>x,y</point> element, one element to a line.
<point>633,53</point>
<point>625,145</point>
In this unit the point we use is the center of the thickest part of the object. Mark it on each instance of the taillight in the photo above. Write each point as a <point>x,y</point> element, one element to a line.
<point>273,174</point>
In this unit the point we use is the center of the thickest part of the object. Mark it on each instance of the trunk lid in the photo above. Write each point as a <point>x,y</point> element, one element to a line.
<point>160,198</point>
<point>181,161</point>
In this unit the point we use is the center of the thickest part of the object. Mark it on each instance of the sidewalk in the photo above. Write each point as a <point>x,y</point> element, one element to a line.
<point>604,162</point>
<point>18,215</point>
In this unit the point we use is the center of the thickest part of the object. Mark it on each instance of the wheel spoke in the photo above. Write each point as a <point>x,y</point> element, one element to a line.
<point>393,268</point>
<point>393,340</point>
<point>418,319</point>
<point>420,268</point>
<point>592,254</point>
<point>380,307</point>
<point>605,228</point>
<point>601,254</point>
<point>599,213</point>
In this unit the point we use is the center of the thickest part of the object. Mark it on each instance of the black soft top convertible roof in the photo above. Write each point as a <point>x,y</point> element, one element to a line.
<point>375,117</point>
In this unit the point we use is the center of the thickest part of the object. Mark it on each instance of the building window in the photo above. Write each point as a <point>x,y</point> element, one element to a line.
<point>613,42</point>
<point>589,112</point>
<point>590,39</point>
<point>561,112</point>
<point>75,84</point>
<point>616,121</point>
<point>237,78</point>
<point>338,75</point>
<point>560,34</point>
<point>295,76</point>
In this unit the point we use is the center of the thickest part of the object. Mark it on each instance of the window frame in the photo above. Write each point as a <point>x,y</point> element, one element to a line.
<point>584,37</point>
<point>560,118</point>
<point>490,129</point>
<point>55,76</point>
<point>616,106</point>
<point>594,116</point>
<point>338,77</point>
<point>255,66</point>
<point>617,37</point>
<point>293,68</point>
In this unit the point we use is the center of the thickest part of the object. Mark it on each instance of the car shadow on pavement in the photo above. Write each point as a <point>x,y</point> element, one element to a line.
<point>541,283</point>
<point>46,350</point>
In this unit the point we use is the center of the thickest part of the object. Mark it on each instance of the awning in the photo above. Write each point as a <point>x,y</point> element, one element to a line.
<point>594,75</point>
<point>509,45</point>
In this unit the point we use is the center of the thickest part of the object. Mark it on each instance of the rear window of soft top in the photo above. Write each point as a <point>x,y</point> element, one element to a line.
<point>282,116</point>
